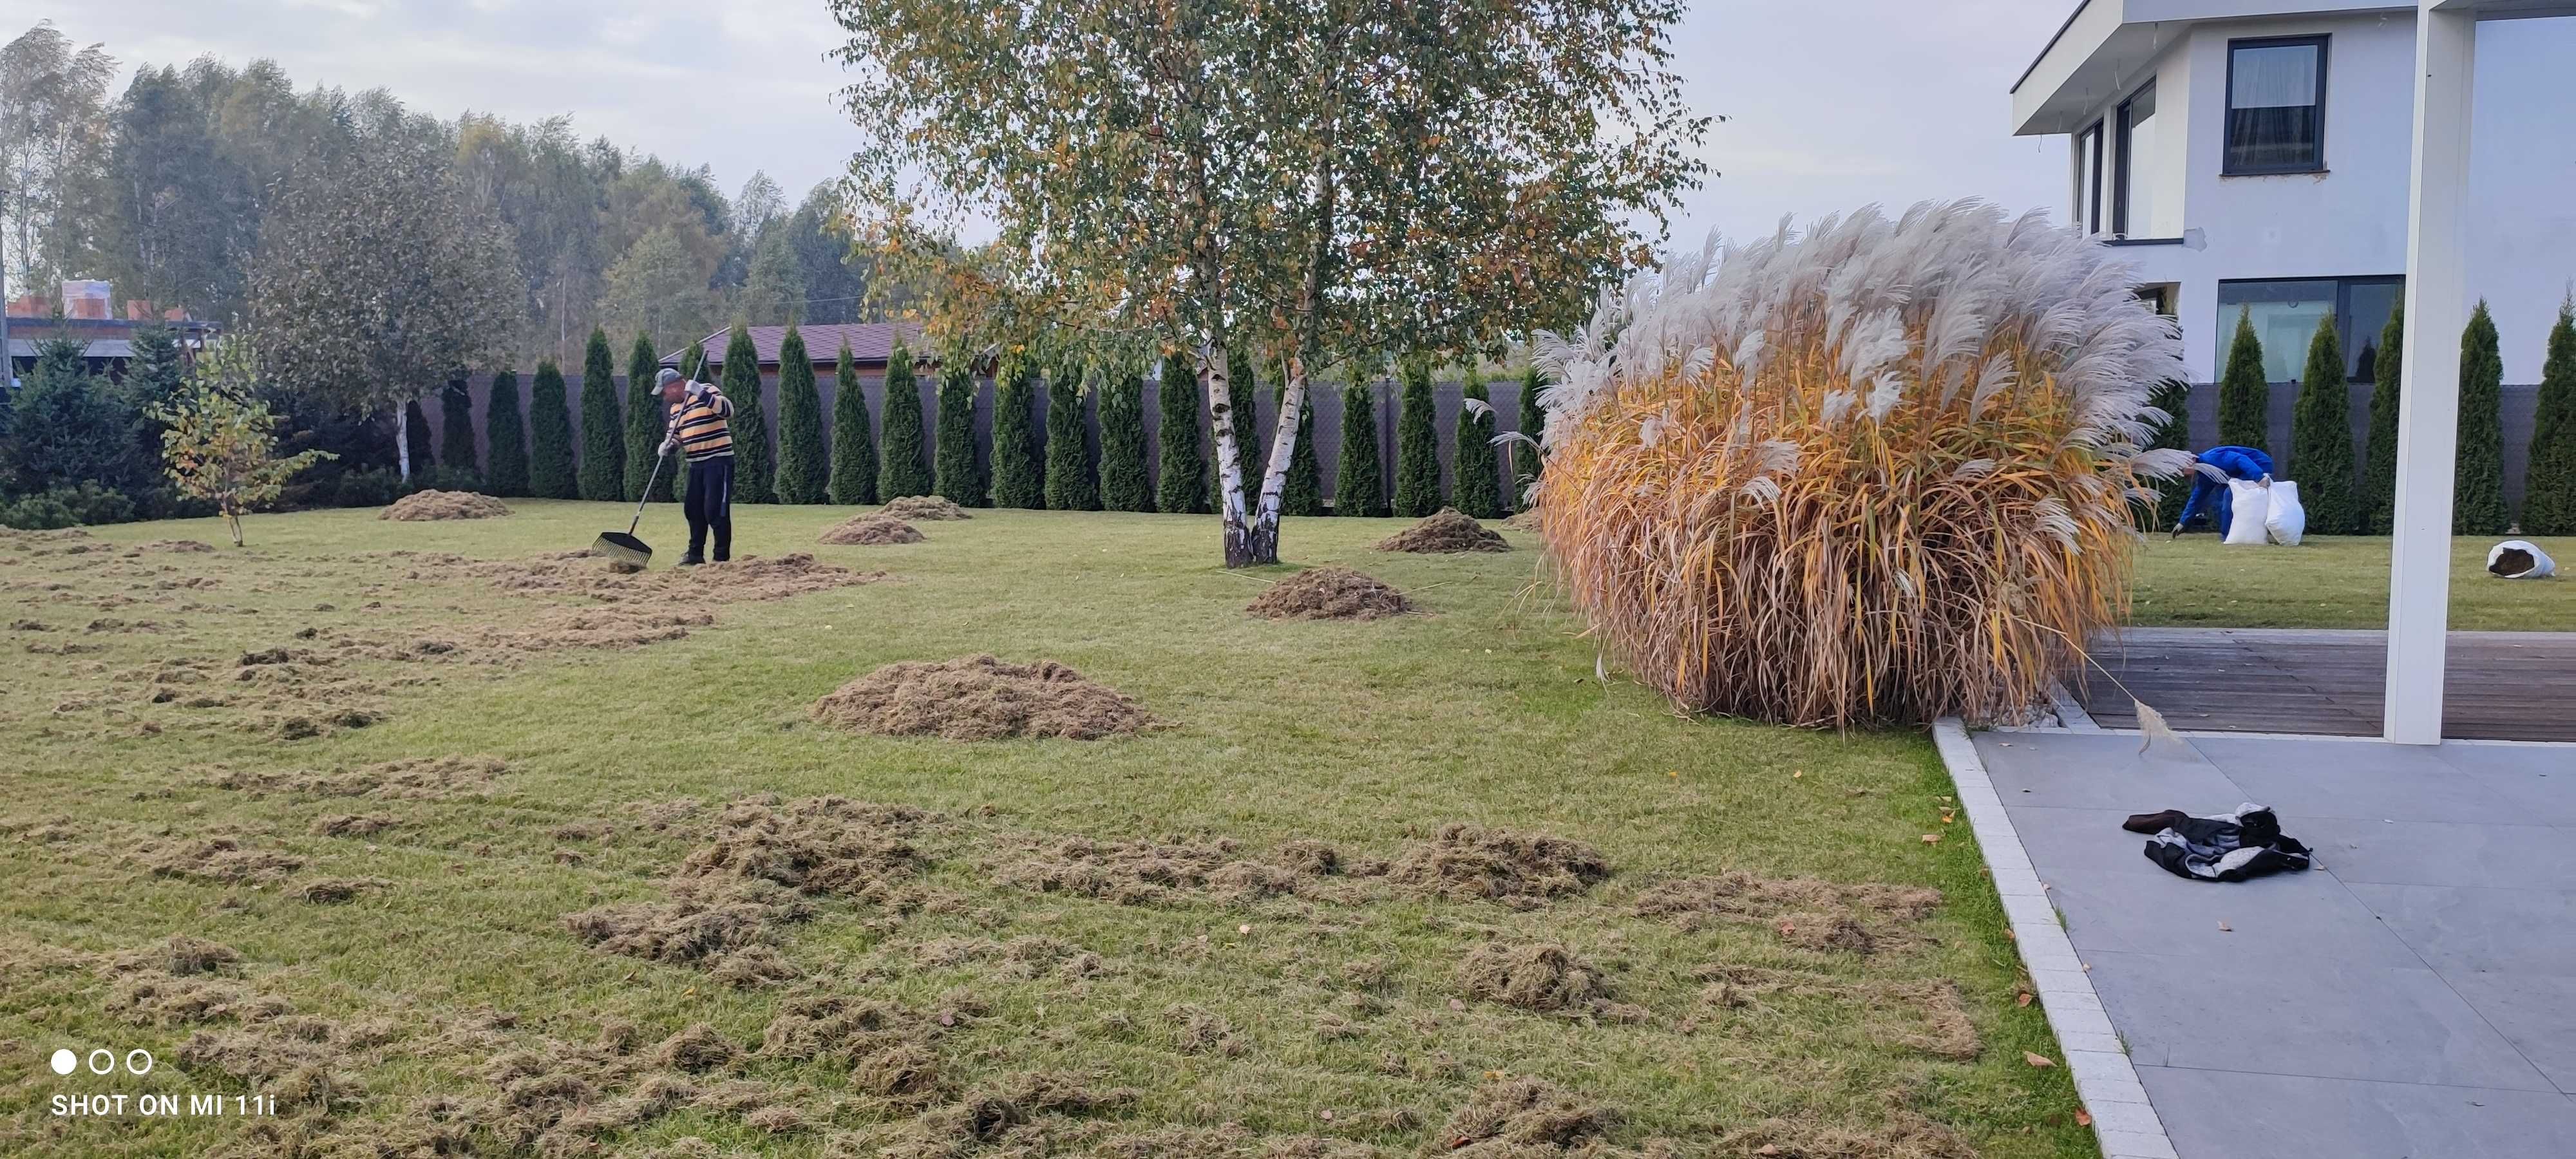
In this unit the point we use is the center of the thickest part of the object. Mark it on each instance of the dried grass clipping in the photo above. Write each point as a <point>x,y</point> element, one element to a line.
<point>981,698</point>
<point>420,506</point>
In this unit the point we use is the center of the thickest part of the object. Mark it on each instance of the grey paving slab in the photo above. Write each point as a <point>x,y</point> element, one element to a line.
<point>2351,779</point>
<point>2534,1012</point>
<point>2214,1114</point>
<point>2457,930</point>
<point>2097,771</point>
<point>2539,781</point>
<point>2326,1019</point>
<point>2279,922</point>
<point>2441,853</point>
<point>2413,998</point>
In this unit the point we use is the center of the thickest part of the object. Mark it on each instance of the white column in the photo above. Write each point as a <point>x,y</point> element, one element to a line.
<point>2428,410</point>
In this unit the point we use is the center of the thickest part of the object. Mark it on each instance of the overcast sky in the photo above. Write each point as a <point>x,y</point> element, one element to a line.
<point>1833,105</point>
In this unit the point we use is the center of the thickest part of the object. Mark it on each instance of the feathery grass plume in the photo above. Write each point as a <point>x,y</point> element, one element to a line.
<point>1878,471</point>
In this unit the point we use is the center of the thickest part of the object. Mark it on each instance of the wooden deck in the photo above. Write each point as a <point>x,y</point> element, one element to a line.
<point>2498,686</point>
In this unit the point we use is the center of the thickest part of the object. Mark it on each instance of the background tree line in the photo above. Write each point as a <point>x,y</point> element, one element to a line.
<point>165,190</point>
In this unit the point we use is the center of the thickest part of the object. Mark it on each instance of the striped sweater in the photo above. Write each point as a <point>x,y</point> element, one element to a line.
<point>700,426</point>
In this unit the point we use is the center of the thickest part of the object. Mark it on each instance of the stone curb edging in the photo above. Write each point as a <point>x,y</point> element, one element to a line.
<point>2124,1122</point>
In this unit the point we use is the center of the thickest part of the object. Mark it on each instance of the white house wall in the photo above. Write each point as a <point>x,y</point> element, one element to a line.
<point>2350,221</point>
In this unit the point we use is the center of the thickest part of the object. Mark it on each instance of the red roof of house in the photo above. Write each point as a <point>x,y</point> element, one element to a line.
<point>869,342</point>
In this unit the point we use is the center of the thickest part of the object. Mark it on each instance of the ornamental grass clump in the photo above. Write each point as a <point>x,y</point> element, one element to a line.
<point>1878,472</point>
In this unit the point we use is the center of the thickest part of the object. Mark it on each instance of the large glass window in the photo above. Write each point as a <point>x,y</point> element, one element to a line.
<point>2088,179</point>
<point>2285,315</point>
<point>2133,210</point>
<point>2276,105</point>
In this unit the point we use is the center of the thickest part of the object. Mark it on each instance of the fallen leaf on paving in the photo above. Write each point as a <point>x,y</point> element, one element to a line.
<point>2224,928</point>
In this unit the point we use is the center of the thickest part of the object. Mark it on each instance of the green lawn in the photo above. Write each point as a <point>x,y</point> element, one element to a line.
<point>2336,582</point>
<point>448,999</point>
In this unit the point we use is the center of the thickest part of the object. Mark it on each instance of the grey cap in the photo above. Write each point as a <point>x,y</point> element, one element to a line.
<point>666,378</point>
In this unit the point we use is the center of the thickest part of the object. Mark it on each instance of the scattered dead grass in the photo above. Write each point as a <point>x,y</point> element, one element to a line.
<point>1522,1118</point>
<point>1473,863</point>
<point>872,531</point>
<point>1692,902</point>
<point>1146,872</point>
<point>981,698</point>
<point>421,506</point>
<point>1926,1015</point>
<point>412,778</point>
<point>1329,593</point>
<point>1905,1135</point>
<point>923,507</point>
<point>1544,977</point>
<point>1446,531</point>
<point>217,859</point>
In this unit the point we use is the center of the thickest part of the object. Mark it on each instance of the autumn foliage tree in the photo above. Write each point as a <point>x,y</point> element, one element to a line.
<point>1277,176</point>
<point>219,441</point>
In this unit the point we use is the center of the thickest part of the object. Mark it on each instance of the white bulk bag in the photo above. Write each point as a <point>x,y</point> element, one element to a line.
<point>2528,562</point>
<point>2285,518</point>
<point>2249,504</point>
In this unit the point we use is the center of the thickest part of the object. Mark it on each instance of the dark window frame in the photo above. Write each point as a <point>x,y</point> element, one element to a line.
<point>2341,305</point>
<point>2088,201</point>
<point>2121,148</point>
<point>2227,167</point>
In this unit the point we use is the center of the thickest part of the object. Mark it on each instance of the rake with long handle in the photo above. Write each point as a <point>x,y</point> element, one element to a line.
<point>622,546</point>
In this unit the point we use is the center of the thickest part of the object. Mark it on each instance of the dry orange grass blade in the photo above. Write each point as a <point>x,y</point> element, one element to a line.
<point>1900,493</point>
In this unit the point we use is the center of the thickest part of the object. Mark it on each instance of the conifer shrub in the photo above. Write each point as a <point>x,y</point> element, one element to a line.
<point>804,466</point>
<point>1477,486</point>
<point>647,419</point>
<point>2244,392</point>
<point>1124,485</point>
<point>2321,438</point>
<point>603,435</point>
<point>1071,484</point>
<point>755,472</point>
<point>505,433</point>
<point>1019,472</point>
<point>1417,442</point>
<point>904,456</point>
<point>550,465</point>
<point>456,429</point>
<point>957,475</point>
<point>1359,487</point>
<point>1181,488</point>
<point>2379,473</point>
<point>2477,501</point>
<point>854,437</point>
<point>2549,484</point>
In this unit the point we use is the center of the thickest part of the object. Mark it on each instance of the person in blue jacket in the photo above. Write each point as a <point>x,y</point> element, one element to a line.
<point>2209,493</point>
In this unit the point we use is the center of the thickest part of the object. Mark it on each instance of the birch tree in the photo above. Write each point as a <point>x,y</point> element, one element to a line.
<point>1288,176</point>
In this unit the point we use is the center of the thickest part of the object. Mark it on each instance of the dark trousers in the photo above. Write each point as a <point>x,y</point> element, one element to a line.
<point>709,506</point>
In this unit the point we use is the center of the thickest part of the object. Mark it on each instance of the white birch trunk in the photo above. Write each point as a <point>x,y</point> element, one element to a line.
<point>402,441</point>
<point>1229,472</point>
